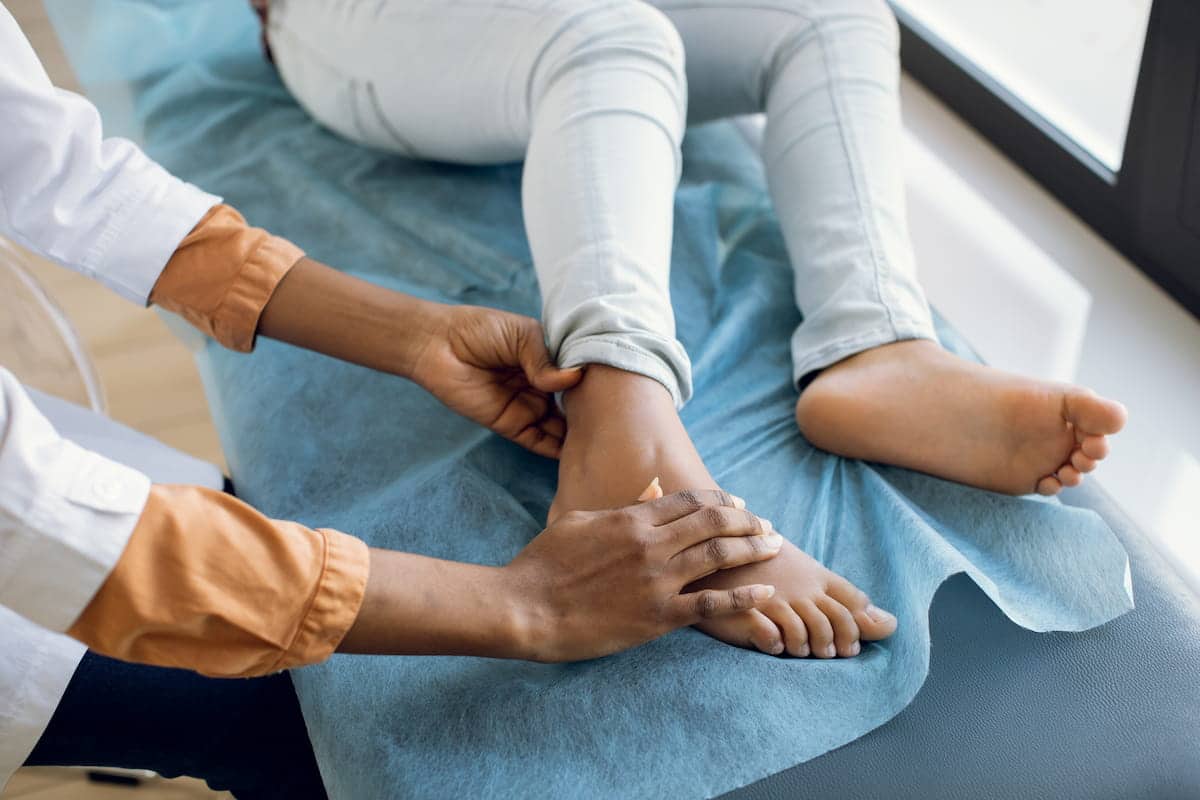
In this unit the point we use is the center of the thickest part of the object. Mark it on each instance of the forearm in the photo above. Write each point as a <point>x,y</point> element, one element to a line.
<point>330,312</point>
<point>416,605</point>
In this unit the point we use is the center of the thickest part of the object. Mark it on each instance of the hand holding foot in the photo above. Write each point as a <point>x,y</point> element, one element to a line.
<point>597,582</point>
<point>623,430</point>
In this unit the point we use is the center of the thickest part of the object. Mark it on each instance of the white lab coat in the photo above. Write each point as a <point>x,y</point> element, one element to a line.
<point>101,207</point>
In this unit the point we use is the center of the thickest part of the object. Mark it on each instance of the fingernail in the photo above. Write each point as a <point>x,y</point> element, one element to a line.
<point>762,593</point>
<point>767,524</point>
<point>773,540</point>
<point>855,649</point>
<point>651,492</point>
<point>804,651</point>
<point>830,651</point>
<point>776,648</point>
<point>879,615</point>
<point>738,502</point>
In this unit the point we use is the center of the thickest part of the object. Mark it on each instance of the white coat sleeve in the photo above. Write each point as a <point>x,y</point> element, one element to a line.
<point>66,514</point>
<point>98,206</point>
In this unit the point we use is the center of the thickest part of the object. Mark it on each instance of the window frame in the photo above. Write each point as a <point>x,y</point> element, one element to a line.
<point>1149,209</point>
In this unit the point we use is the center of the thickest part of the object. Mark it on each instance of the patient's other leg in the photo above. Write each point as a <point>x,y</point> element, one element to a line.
<point>875,383</point>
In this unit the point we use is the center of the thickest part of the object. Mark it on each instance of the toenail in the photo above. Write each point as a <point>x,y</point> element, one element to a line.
<point>855,649</point>
<point>830,651</point>
<point>804,651</point>
<point>776,648</point>
<point>879,615</point>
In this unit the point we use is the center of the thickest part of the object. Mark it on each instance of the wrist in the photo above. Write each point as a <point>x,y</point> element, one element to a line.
<point>522,625</point>
<point>422,323</point>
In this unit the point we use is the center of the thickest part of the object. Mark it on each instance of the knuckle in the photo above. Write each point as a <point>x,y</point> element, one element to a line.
<point>743,597</point>
<point>715,518</point>
<point>643,542</point>
<point>716,551</point>
<point>689,499</point>
<point>625,520</point>
<point>708,604</point>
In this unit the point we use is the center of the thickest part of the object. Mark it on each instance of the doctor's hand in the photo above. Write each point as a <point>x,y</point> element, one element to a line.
<point>591,584</point>
<point>492,367</point>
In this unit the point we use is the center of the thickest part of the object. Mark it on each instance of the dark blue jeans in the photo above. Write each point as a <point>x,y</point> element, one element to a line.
<point>245,736</point>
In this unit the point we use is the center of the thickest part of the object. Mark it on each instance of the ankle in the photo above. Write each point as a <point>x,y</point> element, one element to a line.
<point>611,392</point>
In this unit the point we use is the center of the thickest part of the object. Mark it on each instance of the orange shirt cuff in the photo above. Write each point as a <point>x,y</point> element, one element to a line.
<point>335,602</point>
<point>207,583</point>
<point>222,276</point>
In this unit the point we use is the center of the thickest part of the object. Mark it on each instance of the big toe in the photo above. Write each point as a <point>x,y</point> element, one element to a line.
<point>1093,414</point>
<point>873,622</point>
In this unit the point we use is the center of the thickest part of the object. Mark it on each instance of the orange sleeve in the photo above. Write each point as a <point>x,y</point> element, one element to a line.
<point>209,584</point>
<point>222,275</point>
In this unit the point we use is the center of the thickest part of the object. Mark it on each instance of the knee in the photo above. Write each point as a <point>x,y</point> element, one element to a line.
<point>599,37</point>
<point>861,35</point>
<point>849,19</point>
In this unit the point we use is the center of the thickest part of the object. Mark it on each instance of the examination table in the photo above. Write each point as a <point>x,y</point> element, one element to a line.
<point>1113,712</point>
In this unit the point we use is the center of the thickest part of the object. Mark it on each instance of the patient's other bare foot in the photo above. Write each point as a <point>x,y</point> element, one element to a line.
<point>623,431</point>
<point>916,405</point>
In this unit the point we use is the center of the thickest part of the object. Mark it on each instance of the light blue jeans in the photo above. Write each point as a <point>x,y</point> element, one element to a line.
<point>594,96</point>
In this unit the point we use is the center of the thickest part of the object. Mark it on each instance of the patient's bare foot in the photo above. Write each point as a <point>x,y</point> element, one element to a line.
<point>623,431</point>
<point>916,405</point>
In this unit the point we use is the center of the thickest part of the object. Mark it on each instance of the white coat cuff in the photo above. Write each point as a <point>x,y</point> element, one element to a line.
<point>142,235</point>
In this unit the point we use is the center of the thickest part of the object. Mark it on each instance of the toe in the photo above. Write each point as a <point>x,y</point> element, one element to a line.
<point>1094,447</point>
<point>1089,412</point>
<point>1081,462</point>
<point>1049,486</point>
<point>845,629</point>
<point>820,631</point>
<point>873,622</point>
<point>1069,476</point>
<point>795,634</point>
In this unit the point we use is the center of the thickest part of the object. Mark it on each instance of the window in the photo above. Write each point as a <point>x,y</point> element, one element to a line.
<point>1096,99</point>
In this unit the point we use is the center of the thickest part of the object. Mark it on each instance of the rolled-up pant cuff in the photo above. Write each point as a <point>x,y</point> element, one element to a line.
<point>809,357</point>
<point>668,364</point>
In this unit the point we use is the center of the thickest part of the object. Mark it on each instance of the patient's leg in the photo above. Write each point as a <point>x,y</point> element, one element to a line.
<point>879,387</point>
